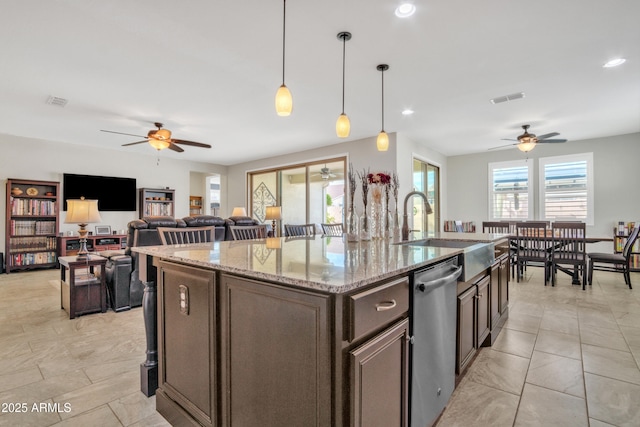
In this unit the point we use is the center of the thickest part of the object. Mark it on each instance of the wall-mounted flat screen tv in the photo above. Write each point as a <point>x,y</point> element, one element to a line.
<point>112,193</point>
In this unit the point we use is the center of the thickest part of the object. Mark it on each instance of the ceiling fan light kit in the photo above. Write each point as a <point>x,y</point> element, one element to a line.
<point>160,139</point>
<point>284,100</point>
<point>527,141</point>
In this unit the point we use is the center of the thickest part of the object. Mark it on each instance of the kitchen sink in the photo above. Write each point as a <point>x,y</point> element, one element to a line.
<point>476,256</point>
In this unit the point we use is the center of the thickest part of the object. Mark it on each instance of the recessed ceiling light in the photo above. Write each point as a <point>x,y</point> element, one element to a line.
<point>614,62</point>
<point>407,112</point>
<point>405,10</point>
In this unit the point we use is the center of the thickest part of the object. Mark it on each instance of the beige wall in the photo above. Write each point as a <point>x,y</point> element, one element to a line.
<point>28,158</point>
<point>616,171</point>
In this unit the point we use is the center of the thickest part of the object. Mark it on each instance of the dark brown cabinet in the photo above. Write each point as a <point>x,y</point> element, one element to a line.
<point>235,351</point>
<point>275,349</point>
<point>484,310</point>
<point>379,379</point>
<point>466,339</point>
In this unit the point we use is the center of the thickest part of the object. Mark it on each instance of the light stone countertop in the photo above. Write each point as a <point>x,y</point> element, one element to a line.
<point>326,264</point>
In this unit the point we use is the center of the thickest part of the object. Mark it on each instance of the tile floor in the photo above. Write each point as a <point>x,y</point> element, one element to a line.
<point>566,357</point>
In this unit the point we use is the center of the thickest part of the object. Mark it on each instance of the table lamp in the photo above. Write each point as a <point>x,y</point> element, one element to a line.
<point>82,212</point>
<point>273,213</point>
<point>239,211</point>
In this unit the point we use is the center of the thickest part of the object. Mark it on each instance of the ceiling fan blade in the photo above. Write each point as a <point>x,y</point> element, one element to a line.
<point>175,148</point>
<point>192,143</point>
<point>120,133</point>
<point>547,135</point>
<point>502,146</point>
<point>134,143</point>
<point>544,141</point>
<point>508,139</point>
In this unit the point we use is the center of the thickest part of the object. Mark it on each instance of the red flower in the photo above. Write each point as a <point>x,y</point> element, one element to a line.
<point>379,178</point>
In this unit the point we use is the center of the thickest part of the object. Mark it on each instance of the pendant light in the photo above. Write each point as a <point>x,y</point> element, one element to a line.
<point>284,101</point>
<point>343,126</point>
<point>383,139</point>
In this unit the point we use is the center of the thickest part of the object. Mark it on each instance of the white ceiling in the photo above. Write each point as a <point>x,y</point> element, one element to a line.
<point>209,71</point>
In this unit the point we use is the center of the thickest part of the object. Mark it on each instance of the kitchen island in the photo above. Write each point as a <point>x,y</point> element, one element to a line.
<point>299,331</point>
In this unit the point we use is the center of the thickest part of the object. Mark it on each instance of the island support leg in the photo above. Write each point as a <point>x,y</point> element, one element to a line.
<point>149,369</point>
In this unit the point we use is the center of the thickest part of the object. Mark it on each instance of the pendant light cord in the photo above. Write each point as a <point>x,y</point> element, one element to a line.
<point>284,18</point>
<point>344,48</point>
<point>382,71</point>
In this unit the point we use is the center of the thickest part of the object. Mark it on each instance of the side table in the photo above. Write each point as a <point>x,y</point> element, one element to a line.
<point>84,290</point>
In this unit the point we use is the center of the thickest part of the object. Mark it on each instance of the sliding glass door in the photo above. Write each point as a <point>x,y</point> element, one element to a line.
<point>426,179</point>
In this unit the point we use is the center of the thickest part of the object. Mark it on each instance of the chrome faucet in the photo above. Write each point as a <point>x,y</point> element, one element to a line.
<point>428,209</point>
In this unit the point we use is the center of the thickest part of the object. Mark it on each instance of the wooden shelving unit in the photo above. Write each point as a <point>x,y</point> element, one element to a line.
<point>195,205</point>
<point>32,222</point>
<point>156,202</point>
<point>620,235</point>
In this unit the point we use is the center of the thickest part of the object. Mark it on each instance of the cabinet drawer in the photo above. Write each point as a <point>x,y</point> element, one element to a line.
<point>373,308</point>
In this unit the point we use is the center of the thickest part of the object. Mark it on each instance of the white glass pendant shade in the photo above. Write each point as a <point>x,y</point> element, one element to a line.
<point>343,126</point>
<point>284,101</point>
<point>383,141</point>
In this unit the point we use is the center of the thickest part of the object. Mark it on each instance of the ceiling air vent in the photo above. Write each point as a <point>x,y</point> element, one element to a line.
<point>512,97</point>
<point>54,100</point>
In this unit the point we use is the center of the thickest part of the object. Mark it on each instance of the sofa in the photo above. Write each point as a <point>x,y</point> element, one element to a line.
<point>124,287</point>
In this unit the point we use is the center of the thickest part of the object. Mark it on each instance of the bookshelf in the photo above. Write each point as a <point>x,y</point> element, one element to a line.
<point>620,234</point>
<point>460,226</point>
<point>195,205</point>
<point>156,202</point>
<point>32,222</point>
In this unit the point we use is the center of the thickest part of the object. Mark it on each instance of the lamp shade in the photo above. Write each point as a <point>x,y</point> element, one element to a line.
<point>383,141</point>
<point>343,126</point>
<point>239,211</point>
<point>273,213</point>
<point>284,101</point>
<point>82,211</point>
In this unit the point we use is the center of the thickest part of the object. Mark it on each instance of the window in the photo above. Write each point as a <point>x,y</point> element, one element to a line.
<point>426,178</point>
<point>510,190</point>
<point>308,192</point>
<point>566,188</point>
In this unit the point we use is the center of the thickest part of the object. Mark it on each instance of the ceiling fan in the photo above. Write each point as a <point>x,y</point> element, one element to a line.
<point>325,173</point>
<point>160,139</point>
<point>527,141</point>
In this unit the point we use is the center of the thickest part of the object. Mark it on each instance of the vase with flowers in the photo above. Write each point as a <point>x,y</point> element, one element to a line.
<point>353,222</point>
<point>365,221</point>
<point>379,183</point>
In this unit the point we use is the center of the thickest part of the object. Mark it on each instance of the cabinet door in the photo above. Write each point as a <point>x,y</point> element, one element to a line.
<point>186,339</point>
<point>276,355</point>
<point>466,340</point>
<point>484,309</point>
<point>379,377</point>
<point>495,295</point>
<point>504,285</point>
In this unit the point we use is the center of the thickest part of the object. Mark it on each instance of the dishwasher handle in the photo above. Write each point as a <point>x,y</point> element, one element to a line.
<point>429,286</point>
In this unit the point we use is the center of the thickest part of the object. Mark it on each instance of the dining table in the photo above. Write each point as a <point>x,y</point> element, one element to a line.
<point>548,239</point>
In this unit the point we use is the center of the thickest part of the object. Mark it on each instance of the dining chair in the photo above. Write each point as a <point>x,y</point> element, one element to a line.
<point>248,232</point>
<point>617,262</point>
<point>299,230</point>
<point>502,227</point>
<point>182,236</point>
<point>569,248</point>
<point>532,247</point>
<point>334,229</point>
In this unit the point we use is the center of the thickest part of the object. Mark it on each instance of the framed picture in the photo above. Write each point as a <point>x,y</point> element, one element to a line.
<point>103,229</point>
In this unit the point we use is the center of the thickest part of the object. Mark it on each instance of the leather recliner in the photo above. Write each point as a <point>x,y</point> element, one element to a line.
<point>124,286</point>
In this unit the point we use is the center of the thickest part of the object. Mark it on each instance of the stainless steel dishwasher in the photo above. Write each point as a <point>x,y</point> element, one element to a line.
<point>433,340</point>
